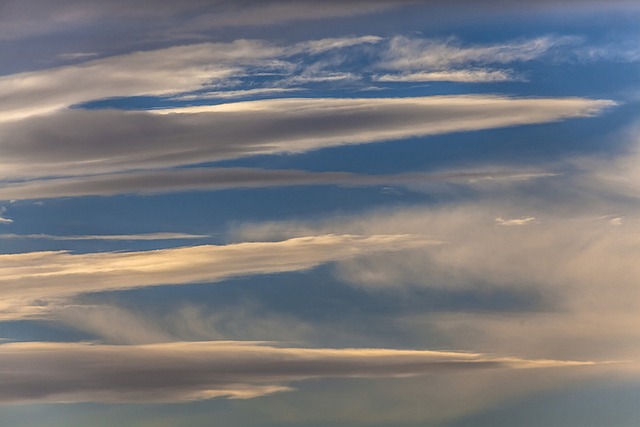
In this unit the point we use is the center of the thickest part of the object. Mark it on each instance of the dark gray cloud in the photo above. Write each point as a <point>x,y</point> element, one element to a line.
<point>183,371</point>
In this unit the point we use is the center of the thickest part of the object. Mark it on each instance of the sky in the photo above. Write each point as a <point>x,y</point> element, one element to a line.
<point>303,213</point>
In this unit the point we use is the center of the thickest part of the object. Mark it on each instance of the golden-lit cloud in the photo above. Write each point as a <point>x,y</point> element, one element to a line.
<point>26,278</point>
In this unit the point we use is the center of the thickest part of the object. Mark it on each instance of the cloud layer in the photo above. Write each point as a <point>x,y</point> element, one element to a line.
<point>91,142</point>
<point>43,276</point>
<point>183,371</point>
<point>211,179</point>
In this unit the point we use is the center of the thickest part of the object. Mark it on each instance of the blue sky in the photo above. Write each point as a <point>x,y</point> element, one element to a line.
<point>303,213</point>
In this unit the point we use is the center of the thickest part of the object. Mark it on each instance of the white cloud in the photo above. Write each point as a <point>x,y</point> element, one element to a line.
<point>515,221</point>
<point>160,72</point>
<point>459,76</point>
<point>2,219</point>
<point>184,371</point>
<point>425,54</point>
<point>26,278</point>
<point>615,221</point>
<point>229,94</point>
<point>320,46</point>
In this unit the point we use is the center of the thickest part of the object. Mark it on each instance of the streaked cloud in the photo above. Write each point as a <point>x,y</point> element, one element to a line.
<point>184,371</point>
<point>211,179</point>
<point>172,71</point>
<point>191,17</point>
<point>89,142</point>
<point>125,237</point>
<point>160,72</point>
<point>459,76</point>
<point>230,94</point>
<point>429,54</point>
<point>42,276</point>
<point>515,221</point>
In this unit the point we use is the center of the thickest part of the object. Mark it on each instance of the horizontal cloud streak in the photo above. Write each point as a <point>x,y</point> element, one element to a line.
<point>183,371</point>
<point>210,179</point>
<point>125,237</point>
<point>92,142</point>
<point>460,76</point>
<point>28,277</point>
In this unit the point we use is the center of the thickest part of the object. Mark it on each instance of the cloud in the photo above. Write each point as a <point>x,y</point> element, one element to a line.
<point>211,179</point>
<point>27,278</point>
<point>428,54</point>
<point>31,18</point>
<point>159,72</point>
<point>92,142</point>
<point>2,219</point>
<point>615,221</point>
<point>229,94</point>
<point>515,221</point>
<point>184,371</point>
<point>576,270</point>
<point>178,71</point>
<point>126,237</point>
<point>459,76</point>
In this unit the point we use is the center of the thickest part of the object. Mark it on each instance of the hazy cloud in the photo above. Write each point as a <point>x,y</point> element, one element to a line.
<point>125,237</point>
<point>26,278</point>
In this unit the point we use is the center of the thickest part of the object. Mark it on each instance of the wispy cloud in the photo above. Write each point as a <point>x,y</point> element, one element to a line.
<point>161,72</point>
<point>185,371</point>
<point>42,276</point>
<point>419,54</point>
<point>4,220</point>
<point>125,237</point>
<point>211,179</point>
<point>421,60</point>
<point>459,76</point>
<point>229,94</point>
